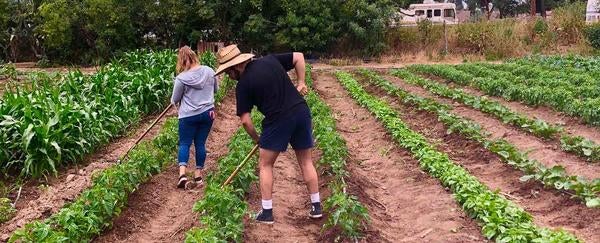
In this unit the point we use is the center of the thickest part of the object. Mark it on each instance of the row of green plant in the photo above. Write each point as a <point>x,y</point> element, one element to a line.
<point>535,90</point>
<point>555,176</point>
<point>581,88</point>
<point>590,65</point>
<point>512,89</point>
<point>221,224</point>
<point>558,94</point>
<point>55,123</point>
<point>94,209</point>
<point>346,213</point>
<point>222,209</point>
<point>574,144</point>
<point>501,219</point>
<point>534,71</point>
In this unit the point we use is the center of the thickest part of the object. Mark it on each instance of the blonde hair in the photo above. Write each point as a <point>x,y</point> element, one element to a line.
<point>186,59</point>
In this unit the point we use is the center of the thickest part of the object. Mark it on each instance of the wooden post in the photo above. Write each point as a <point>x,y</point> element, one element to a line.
<point>533,8</point>
<point>445,39</point>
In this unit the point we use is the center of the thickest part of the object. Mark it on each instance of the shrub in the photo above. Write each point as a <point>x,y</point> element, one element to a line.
<point>493,39</point>
<point>403,39</point>
<point>568,22</point>
<point>592,33</point>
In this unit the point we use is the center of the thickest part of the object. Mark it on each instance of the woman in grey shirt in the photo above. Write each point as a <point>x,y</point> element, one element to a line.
<point>194,96</point>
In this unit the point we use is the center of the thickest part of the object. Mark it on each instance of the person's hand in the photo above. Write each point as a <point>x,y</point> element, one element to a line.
<point>212,115</point>
<point>302,89</point>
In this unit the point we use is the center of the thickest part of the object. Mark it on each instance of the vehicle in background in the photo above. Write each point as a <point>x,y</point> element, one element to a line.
<point>592,14</point>
<point>437,13</point>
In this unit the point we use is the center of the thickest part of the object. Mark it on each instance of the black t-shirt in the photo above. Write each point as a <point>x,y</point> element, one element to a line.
<point>266,85</point>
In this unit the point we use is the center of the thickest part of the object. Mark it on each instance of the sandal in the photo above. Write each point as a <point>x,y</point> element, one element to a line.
<point>182,181</point>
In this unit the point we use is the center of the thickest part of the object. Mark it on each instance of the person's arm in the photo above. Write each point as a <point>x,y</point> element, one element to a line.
<point>177,93</point>
<point>300,67</point>
<point>249,127</point>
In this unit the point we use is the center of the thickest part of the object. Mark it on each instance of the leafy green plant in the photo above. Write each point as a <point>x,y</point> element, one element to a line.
<point>8,71</point>
<point>7,211</point>
<point>222,209</point>
<point>347,213</point>
<point>592,33</point>
<point>208,58</point>
<point>581,146</point>
<point>554,93</point>
<point>584,148</point>
<point>507,152</point>
<point>501,219</point>
<point>95,208</point>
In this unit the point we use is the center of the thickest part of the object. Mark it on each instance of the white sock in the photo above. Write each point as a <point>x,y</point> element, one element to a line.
<point>267,204</point>
<point>315,198</point>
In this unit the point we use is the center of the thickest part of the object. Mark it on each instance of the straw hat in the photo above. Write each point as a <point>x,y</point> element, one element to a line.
<point>230,56</point>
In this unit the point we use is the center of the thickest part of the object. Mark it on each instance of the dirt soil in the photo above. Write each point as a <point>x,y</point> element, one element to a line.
<point>39,199</point>
<point>573,125</point>
<point>547,152</point>
<point>405,204</point>
<point>291,204</point>
<point>158,211</point>
<point>548,207</point>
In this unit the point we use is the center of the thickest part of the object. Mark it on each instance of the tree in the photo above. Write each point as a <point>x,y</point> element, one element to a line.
<point>4,34</point>
<point>86,31</point>
<point>22,39</point>
<point>509,8</point>
<point>406,3</point>
<point>307,26</point>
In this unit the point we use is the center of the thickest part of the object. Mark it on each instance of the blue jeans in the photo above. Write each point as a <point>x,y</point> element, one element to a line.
<point>196,129</point>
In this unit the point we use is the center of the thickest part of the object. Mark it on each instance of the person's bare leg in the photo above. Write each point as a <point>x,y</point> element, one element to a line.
<point>308,170</point>
<point>182,170</point>
<point>265,162</point>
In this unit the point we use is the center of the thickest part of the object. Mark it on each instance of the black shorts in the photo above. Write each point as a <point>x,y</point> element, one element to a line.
<point>294,129</point>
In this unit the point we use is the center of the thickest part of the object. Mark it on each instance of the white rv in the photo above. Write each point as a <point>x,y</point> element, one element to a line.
<point>437,13</point>
<point>592,15</point>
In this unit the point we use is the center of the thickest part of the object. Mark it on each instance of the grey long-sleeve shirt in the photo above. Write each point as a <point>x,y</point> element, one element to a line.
<point>194,91</point>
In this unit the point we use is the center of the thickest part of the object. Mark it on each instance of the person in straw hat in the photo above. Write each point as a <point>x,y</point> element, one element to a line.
<point>264,83</point>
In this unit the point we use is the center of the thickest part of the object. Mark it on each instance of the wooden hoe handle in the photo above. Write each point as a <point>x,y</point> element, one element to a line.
<point>240,166</point>
<point>146,132</point>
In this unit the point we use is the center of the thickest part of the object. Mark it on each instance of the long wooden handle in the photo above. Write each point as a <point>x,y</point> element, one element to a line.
<point>147,130</point>
<point>240,166</point>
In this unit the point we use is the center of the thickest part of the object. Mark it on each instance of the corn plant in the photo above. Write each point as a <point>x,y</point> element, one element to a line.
<point>55,123</point>
<point>94,210</point>
<point>501,219</point>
